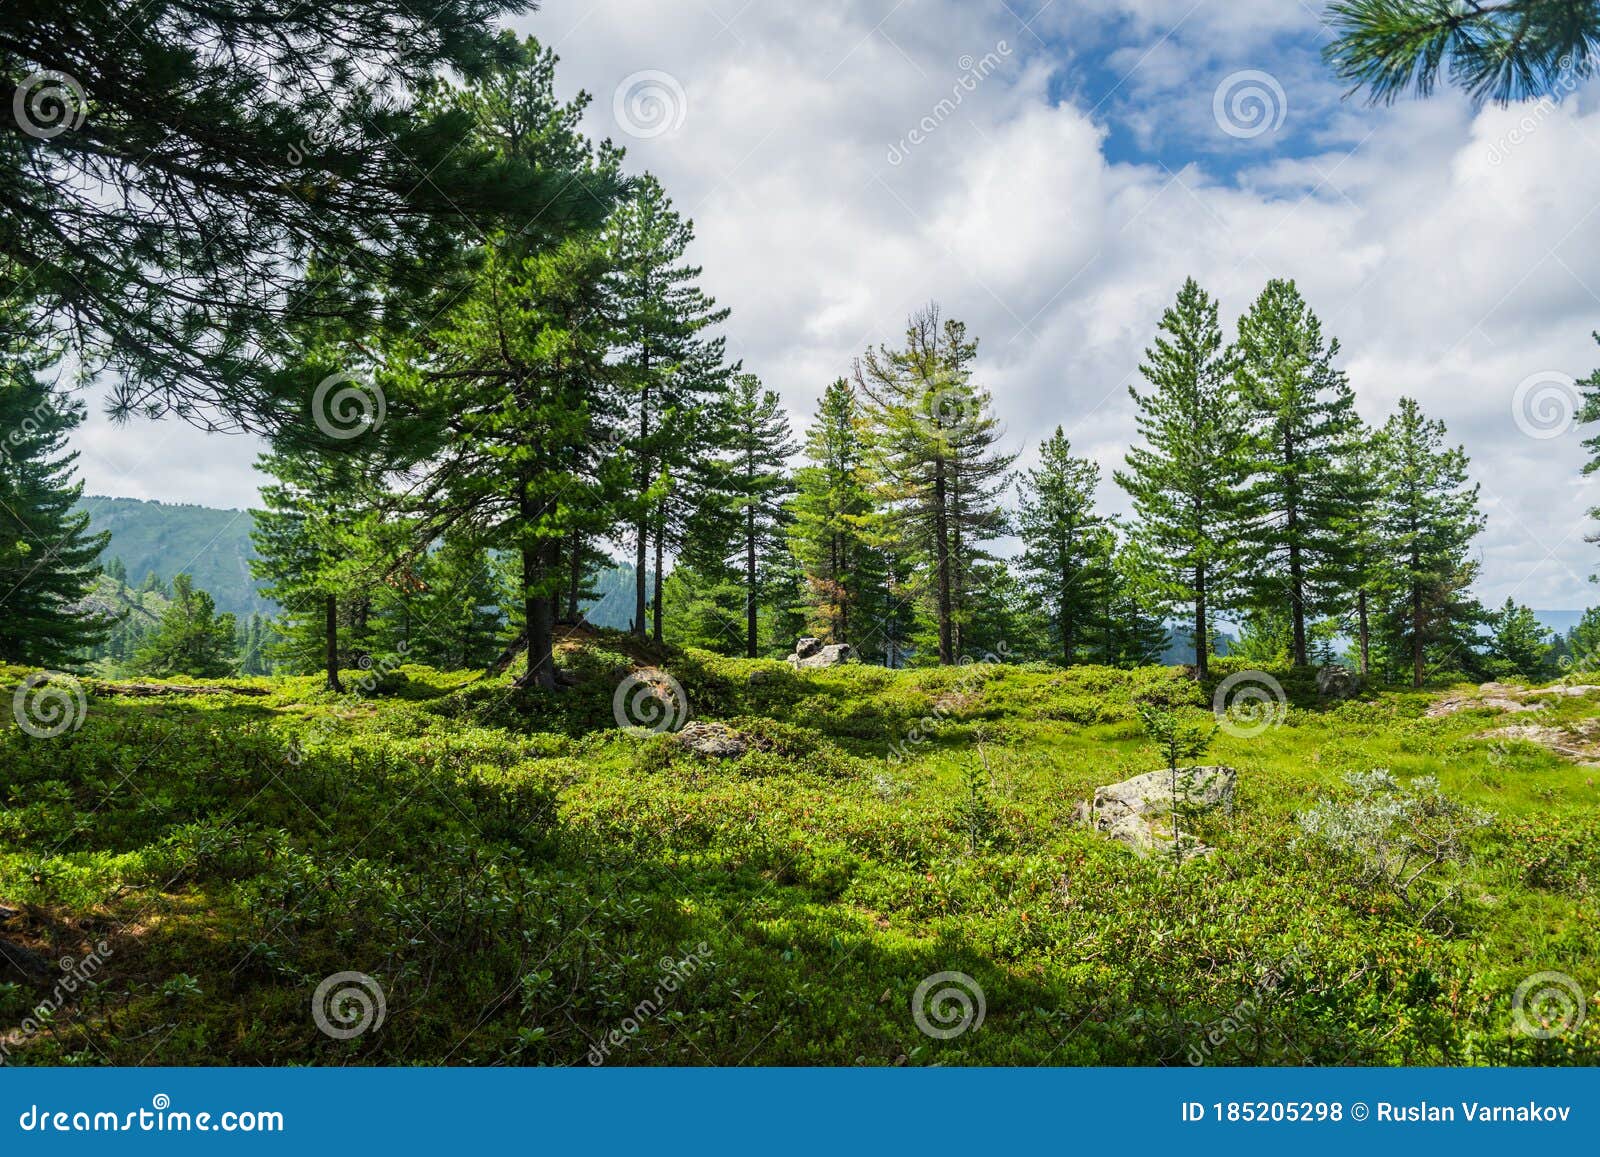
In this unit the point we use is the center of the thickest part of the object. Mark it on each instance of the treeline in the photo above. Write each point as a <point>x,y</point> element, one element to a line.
<point>480,382</point>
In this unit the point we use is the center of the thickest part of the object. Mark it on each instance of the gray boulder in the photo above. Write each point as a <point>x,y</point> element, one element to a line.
<point>1138,811</point>
<point>807,646</point>
<point>830,656</point>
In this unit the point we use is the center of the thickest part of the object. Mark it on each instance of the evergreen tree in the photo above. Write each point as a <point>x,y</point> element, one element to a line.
<point>833,511</point>
<point>1502,51</point>
<point>757,484</point>
<point>191,639</point>
<point>117,570</point>
<point>1065,549</point>
<point>1520,646</point>
<point>1583,641</point>
<point>457,615</point>
<point>171,164</point>
<point>672,369</point>
<point>48,558</point>
<point>933,435</point>
<point>1358,567</point>
<point>1430,519</point>
<point>1300,422</point>
<point>1184,479</point>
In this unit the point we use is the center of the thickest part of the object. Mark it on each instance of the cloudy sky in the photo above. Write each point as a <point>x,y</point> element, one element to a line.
<point>1049,171</point>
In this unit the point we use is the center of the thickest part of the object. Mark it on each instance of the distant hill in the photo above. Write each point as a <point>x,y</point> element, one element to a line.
<point>171,538</point>
<point>214,546</point>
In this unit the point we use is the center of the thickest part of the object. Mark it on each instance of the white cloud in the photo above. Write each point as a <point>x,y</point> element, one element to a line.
<point>1446,275</point>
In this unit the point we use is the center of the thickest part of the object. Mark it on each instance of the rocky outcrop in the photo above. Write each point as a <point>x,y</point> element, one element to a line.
<point>1138,811</point>
<point>1336,681</point>
<point>1490,697</point>
<point>1579,742</point>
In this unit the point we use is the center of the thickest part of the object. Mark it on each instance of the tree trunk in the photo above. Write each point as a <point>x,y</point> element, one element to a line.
<point>1417,666</point>
<point>1202,636</point>
<point>1297,600</point>
<point>536,613</point>
<point>1364,631</point>
<point>575,577</point>
<point>331,639</point>
<point>661,532</point>
<point>643,527</point>
<point>750,582</point>
<point>941,535</point>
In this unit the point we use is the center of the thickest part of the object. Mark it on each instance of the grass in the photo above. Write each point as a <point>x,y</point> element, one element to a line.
<point>526,883</point>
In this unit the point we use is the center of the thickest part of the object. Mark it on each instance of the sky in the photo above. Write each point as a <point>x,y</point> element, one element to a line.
<point>1049,171</point>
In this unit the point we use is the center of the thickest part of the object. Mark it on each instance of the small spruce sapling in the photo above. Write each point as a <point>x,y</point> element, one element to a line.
<point>1178,740</point>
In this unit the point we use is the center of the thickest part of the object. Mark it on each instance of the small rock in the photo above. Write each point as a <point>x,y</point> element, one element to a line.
<point>807,646</point>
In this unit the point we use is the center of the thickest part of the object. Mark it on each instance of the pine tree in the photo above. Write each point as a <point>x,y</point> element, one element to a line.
<point>833,510</point>
<point>1065,550</point>
<point>1300,422</point>
<point>457,619</point>
<point>199,151</point>
<point>672,369</point>
<point>1520,646</point>
<point>48,558</point>
<point>1184,479</point>
<point>1505,51</point>
<point>515,374</point>
<point>1430,519</point>
<point>757,486</point>
<point>933,436</point>
<point>191,639</point>
<point>1357,570</point>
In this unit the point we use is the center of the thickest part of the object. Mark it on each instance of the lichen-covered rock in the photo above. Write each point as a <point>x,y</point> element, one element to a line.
<point>806,646</point>
<point>713,740</point>
<point>1138,811</point>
